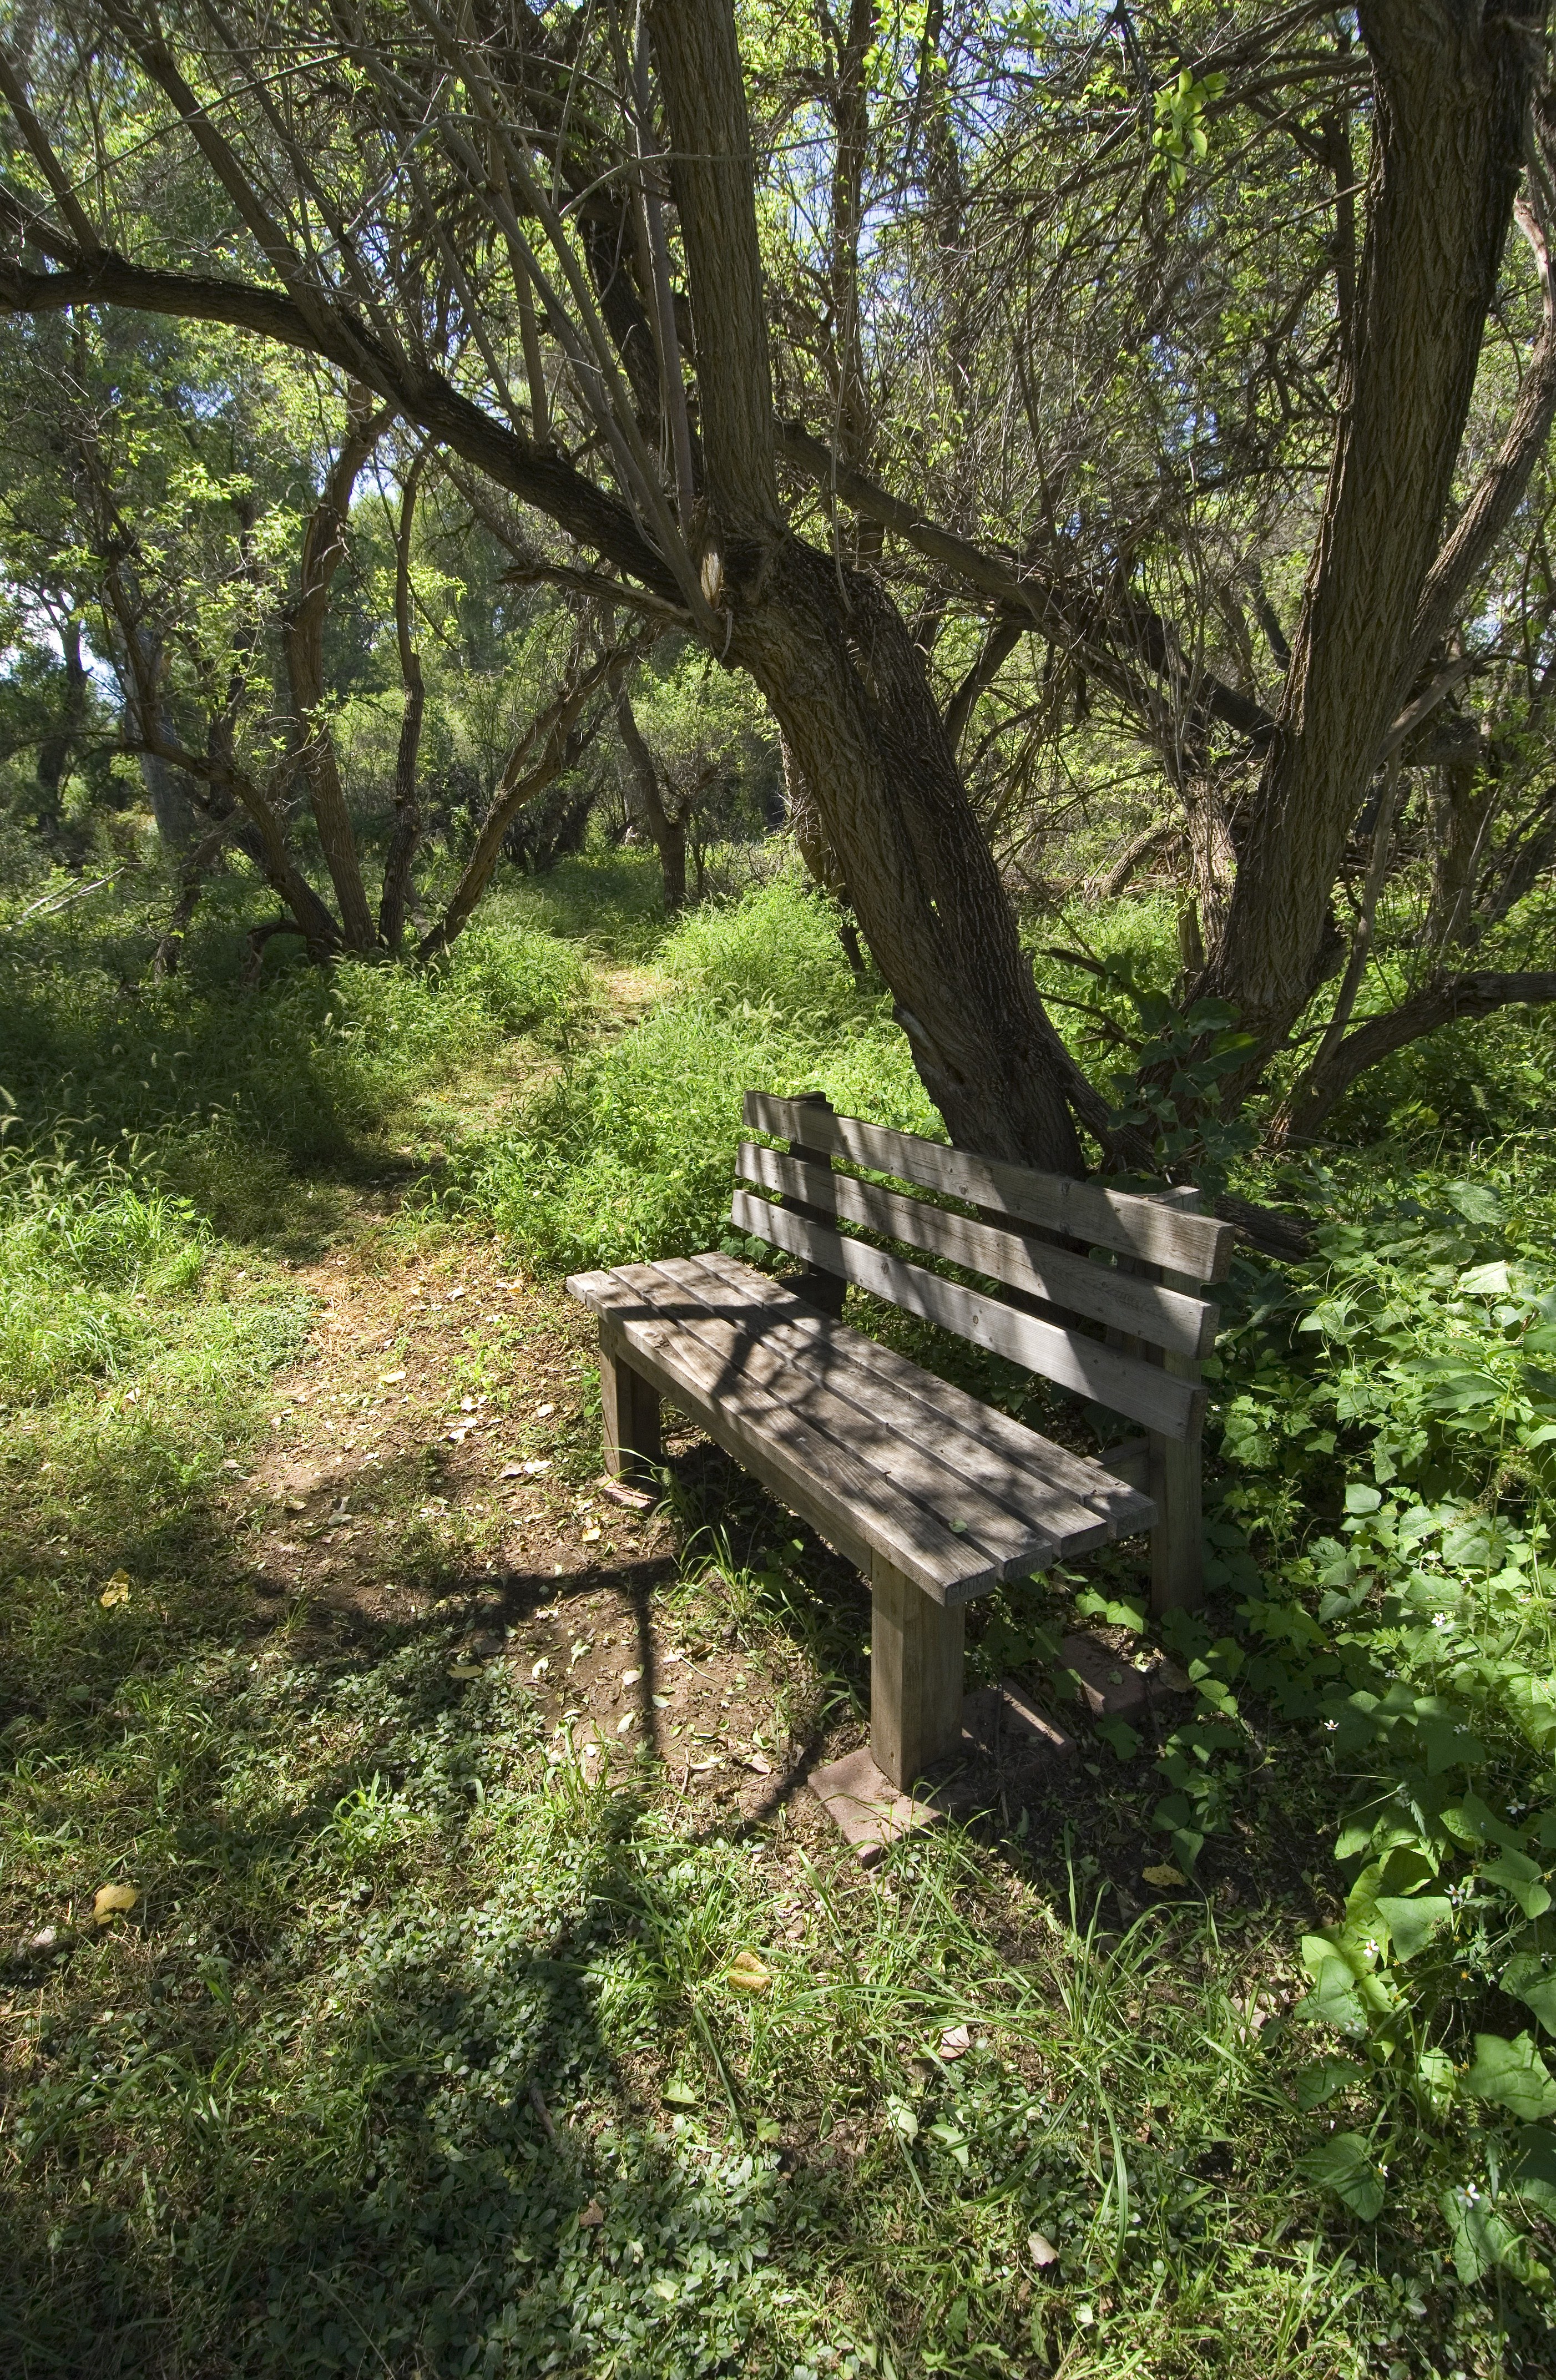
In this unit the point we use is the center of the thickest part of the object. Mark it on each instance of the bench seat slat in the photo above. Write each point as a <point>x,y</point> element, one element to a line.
<point>971,1487</point>
<point>1164,1317</point>
<point>1124,1385</point>
<point>867,1491</point>
<point>857,1510</point>
<point>1006,1458</point>
<point>1121,1219</point>
<point>967,1422</point>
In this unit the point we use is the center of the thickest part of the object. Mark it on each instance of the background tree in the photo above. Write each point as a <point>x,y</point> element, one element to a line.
<point>1127,358</point>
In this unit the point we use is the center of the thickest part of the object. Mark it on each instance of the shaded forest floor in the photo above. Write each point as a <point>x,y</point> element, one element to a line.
<point>447,1787</point>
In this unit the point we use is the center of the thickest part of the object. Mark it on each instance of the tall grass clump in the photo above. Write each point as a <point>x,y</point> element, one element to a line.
<point>236,1087</point>
<point>629,1153</point>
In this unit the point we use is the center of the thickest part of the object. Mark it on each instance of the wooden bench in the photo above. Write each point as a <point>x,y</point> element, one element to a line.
<point>935,1496</point>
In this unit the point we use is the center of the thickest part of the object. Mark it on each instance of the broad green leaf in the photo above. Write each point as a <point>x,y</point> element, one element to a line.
<point>1510,2074</point>
<point>1525,1978</point>
<point>1517,1873</point>
<point>1360,1498</point>
<point>1413,1922</point>
<point>1484,2240</point>
<point>1344,2164</point>
<point>1485,1280</point>
<point>1534,2174</point>
<point>1475,1201</point>
<point>1322,2079</point>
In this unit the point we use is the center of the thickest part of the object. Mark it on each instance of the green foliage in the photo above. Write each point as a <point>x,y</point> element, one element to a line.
<point>631,1152</point>
<point>225,1093</point>
<point>1387,1416</point>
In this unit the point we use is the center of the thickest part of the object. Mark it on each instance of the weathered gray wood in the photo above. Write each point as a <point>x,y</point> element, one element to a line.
<point>852,1505</point>
<point>915,1661</point>
<point>1027,1526</point>
<point>1143,1392</point>
<point>1177,1542</point>
<point>966,1423</point>
<point>629,1417</point>
<point>1162,1318</point>
<point>822,1289</point>
<point>1195,1245</point>
<point>1130,1459</point>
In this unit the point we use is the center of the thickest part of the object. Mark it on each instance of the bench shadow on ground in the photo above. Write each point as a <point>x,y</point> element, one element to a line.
<point>460,2205</point>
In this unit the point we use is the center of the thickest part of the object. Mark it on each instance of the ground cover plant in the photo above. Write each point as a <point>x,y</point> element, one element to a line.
<point>424,2033</point>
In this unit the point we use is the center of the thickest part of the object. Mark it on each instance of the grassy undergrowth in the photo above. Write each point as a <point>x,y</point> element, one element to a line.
<point>406,1996</point>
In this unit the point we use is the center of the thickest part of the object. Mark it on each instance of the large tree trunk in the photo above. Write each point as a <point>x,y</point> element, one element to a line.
<point>1452,92</point>
<point>849,689</point>
<point>843,677</point>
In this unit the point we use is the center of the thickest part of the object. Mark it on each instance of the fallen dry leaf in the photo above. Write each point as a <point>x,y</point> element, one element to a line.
<point>592,2216</point>
<point>389,1379</point>
<point>746,1973</point>
<point>540,1667</point>
<point>954,2043</point>
<point>113,1901</point>
<point>1044,2250</point>
<point>623,1724</point>
<point>755,1760</point>
<point>543,1413</point>
<point>116,1590</point>
<point>1163,1876</point>
<point>589,1535</point>
<point>630,1677</point>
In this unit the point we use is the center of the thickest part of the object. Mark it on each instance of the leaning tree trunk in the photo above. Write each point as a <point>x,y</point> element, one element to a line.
<point>840,671</point>
<point>1453,87</point>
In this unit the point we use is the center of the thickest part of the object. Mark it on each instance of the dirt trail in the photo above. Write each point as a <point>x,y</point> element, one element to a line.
<point>434,1461</point>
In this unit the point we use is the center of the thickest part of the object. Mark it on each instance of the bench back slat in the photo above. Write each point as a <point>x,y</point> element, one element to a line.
<point>1145,1393</point>
<point>1122,1301</point>
<point>1148,1228</point>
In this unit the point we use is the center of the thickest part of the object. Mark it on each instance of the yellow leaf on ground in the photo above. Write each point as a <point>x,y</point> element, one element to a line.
<point>1044,2250</point>
<point>746,1973</point>
<point>465,1670</point>
<point>116,1590</point>
<point>1163,1877</point>
<point>113,1901</point>
<point>388,1379</point>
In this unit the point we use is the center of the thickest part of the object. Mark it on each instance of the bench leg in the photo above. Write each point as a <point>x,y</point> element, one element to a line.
<point>630,1410</point>
<point>916,1677</point>
<point>1178,1546</point>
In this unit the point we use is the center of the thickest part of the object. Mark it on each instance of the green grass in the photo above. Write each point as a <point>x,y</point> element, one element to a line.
<point>279,2118</point>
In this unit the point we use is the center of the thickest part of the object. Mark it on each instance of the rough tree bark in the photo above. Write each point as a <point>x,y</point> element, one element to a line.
<point>1452,87</point>
<point>841,673</point>
<point>667,834</point>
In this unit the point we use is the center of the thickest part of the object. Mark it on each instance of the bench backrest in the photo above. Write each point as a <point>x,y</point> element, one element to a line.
<point>1067,1254</point>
